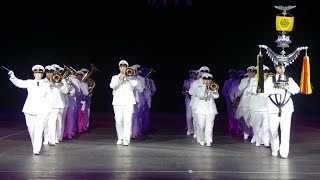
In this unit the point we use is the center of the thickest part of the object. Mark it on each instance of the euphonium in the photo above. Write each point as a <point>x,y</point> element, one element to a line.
<point>129,71</point>
<point>214,86</point>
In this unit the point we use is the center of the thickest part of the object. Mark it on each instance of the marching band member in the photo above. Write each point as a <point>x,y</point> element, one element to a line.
<point>260,117</point>
<point>37,105</point>
<point>73,105</point>
<point>194,99</point>
<point>88,98</point>
<point>123,102</point>
<point>149,91</point>
<point>280,116</point>
<point>50,124</point>
<point>206,109</point>
<point>140,96</point>
<point>137,114</point>
<point>62,99</point>
<point>81,98</point>
<point>235,98</point>
<point>226,93</point>
<point>185,92</point>
<point>244,108</point>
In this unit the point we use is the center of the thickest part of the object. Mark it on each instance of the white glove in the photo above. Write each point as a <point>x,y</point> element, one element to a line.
<point>11,73</point>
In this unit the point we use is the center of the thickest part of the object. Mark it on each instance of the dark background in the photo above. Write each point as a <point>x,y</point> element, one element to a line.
<point>172,39</point>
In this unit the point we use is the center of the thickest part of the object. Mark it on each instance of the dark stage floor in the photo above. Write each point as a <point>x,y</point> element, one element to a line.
<point>166,153</point>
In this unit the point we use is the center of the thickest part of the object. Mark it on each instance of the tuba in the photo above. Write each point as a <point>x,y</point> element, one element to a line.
<point>86,78</point>
<point>129,71</point>
<point>68,70</point>
<point>214,86</point>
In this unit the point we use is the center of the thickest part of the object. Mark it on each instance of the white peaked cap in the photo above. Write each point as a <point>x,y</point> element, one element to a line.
<point>207,75</point>
<point>123,62</point>
<point>204,68</point>
<point>37,68</point>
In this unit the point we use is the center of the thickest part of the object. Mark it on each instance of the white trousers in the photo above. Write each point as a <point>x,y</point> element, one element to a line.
<point>285,124</point>
<point>35,125</point>
<point>206,123</point>
<point>260,127</point>
<point>123,118</point>
<point>195,121</point>
<point>60,125</point>
<point>190,125</point>
<point>50,127</point>
<point>135,117</point>
<point>63,122</point>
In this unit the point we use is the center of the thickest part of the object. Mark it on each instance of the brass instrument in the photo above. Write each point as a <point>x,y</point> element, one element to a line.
<point>148,74</point>
<point>214,86</point>
<point>88,74</point>
<point>68,70</point>
<point>129,71</point>
<point>56,77</point>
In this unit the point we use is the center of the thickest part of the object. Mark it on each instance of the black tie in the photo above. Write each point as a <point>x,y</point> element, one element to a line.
<point>38,83</point>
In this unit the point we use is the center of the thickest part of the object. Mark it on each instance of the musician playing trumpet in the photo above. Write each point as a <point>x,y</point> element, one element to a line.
<point>58,87</point>
<point>206,109</point>
<point>123,102</point>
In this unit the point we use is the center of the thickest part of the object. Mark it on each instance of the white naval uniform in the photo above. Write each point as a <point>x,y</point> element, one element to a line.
<point>123,101</point>
<point>260,125</point>
<point>188,109</point>
<point>64,121</point>
<point>244,109</point>
<point>52,129</point>
<point>206,111</point>
<point>137,113</point>
<point>82,120</point>
<point>193,104</point>
<point>148,92</point>
<point>36,108</point>
<point>284,120</point>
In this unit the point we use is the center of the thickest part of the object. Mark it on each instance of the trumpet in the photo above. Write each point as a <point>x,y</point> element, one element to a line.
<point>129,71</point>
<point>213,86</point>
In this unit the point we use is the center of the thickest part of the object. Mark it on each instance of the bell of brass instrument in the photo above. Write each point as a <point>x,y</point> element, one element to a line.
<point>129,71</point>
<point>86,78</point>
<point>56,77</point>
<point>67,71</point>
<point>214,86</point>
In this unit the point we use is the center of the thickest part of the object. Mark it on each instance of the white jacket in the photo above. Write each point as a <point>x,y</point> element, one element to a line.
<point>123,90</point>
<point>39,99</point>
<point>206,104</point>
<point>193,92</point>
<point>269,89</point>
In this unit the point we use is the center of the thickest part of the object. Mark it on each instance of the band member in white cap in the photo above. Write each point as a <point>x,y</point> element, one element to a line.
<point>194,99</point>
<point>81,98</point>
<point>244,108</point>
<point>49,131</point>
<point>280,116</point>
<point>140,100</point>
<point>123,101</point>
<point>206,109</point>
<point>259,117</point>
<point>187,98</point>
<point>37,105</point>
<point>73,106</point>
<point>226,89</point>
<point>87,103</point>
<point>149,91</point>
